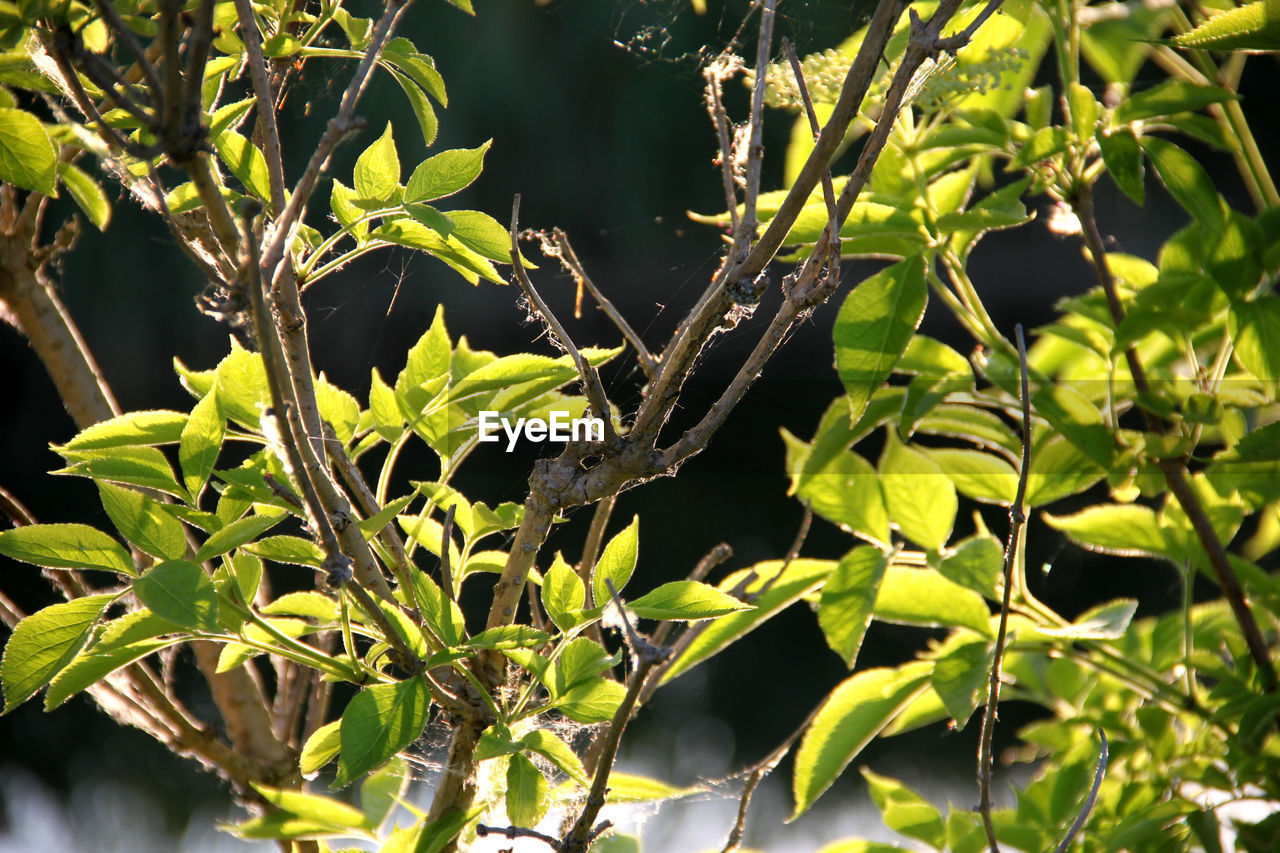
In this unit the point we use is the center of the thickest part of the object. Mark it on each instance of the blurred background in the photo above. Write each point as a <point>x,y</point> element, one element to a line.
<point>596,115</point>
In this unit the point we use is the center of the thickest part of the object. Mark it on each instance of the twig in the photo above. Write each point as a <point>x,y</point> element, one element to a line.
<point>792,552</point>
<point>108,11</point>
<point>1017,518</point>
<point>14,509</point>
<point>755,775</point>
<point>645,656</point>
<point>828,189</point>
<point>446,570</point>
<point>1098,774</point>
<point>265,101</point>
<point>590,378</point>
<point>953,43</point>
<point>1175,470</point>
<point>746,231</point>
<point>715,74</point>
<point>514,832</point>
<point>563,250</point>
<point>339,126</point>
<point>198,43</point>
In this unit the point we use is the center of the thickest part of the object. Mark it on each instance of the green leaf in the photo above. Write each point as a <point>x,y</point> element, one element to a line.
<point>904,810</point>
<point>145,467</point>
<point>377,173</point>
<point>446,173</point>
<point>28,159</point>
<point>1105,622</point>
<point>1123,158</point>
<point>1255,333</point>
<point>388,420</point>
<point>342,202</point>
<point>1253,26</point>
<point>594,700</point>
<point>1058,469</point>
<point>579,660</point>
<point>141,520</point>
<point>414,235</point>
<point>630,788</point>
<point>981,476</point>
<point>315,808</point>
<point>428,359</point>
<point>848,596</point>
<point>508,637</point>
<point>428,124</point>
<point>975,563</point>
<point>874,326</point>
<point>526,792</point>
<point>855,711</point>
<point>241,381</point>
<point>441,613</point>
<point>287,549</point>
<point>687,601</point>
<point>1084,110</point>
<point>526,367</point>
<point>484,235</point>
<point>87,194</point>
<point>237,533</point>
<point>182,593</point>
<point>321,748</point>
<point>547,744</point>
<point>1186,180</point>
<point>66,546</point>
<point>90,667</point>
<point>1167,98</point>
<point>920,498</point>
<point>245,162</point>
<point>960,679</point>
<point>379,722</point>
<point>1126,530</point>
<point>43,643</point>
<point>144,428</point>
<point>199,443</point>
<point>616,563</point>
<point>801,577</point>
<point>846,490</point>
<point>563,594</point>
<point>924,597</point>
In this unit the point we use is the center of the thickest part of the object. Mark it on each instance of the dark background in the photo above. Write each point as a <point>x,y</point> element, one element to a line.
<point>596,115</point>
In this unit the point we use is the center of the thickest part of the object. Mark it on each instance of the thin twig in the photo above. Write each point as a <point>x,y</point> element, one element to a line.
<point>339,126</point>
<point>14,509</point>
<point>514,832</point>
<point>1017,518</point>
<point>118,26</point>
<point>755,775</point>
<point>715,74</point>
<point>746,232</point>
<point>563,250</point>
<point>645,656</point>
<point>1098,774</point>
<point>587,373</point>
<point>446,569</point>
<point>265,101</point>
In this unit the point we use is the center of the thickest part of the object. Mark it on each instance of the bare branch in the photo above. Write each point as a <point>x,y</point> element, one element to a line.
<point>265,101</point>
<point>1017,518</point>
<point>746,231</point>
<point>560,248</point>
<point>446,539</point>
<point>587,373</point>
<point>715,74</point>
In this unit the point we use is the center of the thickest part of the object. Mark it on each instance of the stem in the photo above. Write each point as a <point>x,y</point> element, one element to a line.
<point>1017,518</point>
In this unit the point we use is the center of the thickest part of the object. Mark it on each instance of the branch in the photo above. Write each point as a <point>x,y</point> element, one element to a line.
<point>587,373</point>
<point>514,832</point>
<point>746,231</point>
<point>339,126</point>
<point>560,248</point>
<point>715,74</point>
<point>1175,470</point>
<point>265,101</point>
<point>645,656</point>
<point>1098,774</point>
<point>1017,518</point>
